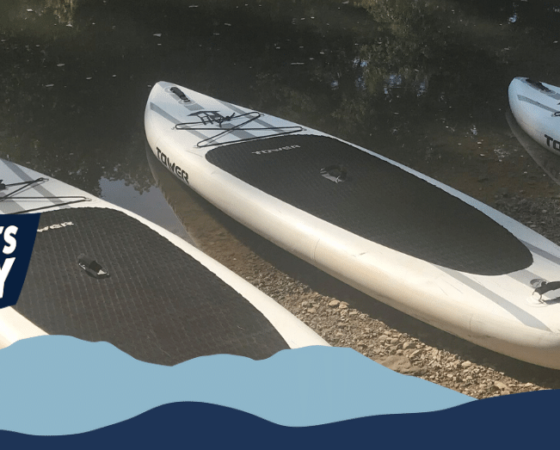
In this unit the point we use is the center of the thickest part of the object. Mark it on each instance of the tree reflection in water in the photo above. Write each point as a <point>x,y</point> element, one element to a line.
<point>423,82</point>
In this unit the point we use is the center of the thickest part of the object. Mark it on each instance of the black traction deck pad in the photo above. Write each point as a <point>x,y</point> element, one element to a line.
<point>159,304</point>
<point>377,201</point>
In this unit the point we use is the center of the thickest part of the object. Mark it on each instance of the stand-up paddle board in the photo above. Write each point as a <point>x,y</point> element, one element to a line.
<point>101,273</point>
<point>393,233</point>
<point>548,162</point>
<point>536,107</point>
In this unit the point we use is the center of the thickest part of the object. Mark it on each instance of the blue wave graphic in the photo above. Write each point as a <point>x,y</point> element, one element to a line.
<point>56,385</point>
<point>514,421</point>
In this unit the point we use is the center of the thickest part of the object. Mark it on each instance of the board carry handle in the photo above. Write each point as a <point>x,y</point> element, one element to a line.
<point>538,85</point>
<point>22,186</point>
<point>336,173</point>
<point>179,93</point>
<point>92,267</point>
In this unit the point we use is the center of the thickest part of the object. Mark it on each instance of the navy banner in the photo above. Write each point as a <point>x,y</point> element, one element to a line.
<point>482,424</point>
<point>17,237</point>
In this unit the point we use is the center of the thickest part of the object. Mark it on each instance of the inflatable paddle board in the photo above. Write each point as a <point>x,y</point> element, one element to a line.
<point>393,233</point>
<point>547,161</point>
<point>536,107</point>
<point>101,273</point>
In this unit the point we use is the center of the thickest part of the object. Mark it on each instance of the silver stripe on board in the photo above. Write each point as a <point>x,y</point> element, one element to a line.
<point>523,316</point>
<point>173,120</point>
<point>41,190</point>
<point>9,206</point>
<point>534,102</point>
<point>191,106</point>
<point>554,95</point>
<point>240,134</point>
<point>543,253</point>
<point>164,114</point>
<point>524,277</point>
<point>259,121</point>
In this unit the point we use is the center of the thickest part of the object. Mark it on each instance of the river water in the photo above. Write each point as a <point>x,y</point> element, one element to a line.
<point>422,82</point>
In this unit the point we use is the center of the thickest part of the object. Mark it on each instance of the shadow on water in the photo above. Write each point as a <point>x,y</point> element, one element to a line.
<point>206,225</point>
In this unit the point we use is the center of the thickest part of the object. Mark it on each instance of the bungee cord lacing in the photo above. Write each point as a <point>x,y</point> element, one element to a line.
<point>213,117</point>
<point>23,185</point>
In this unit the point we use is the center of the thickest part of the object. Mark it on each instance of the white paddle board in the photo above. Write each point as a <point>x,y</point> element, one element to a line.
<point>101,273</point>
<point>389,231</point>
<point>536,107</point>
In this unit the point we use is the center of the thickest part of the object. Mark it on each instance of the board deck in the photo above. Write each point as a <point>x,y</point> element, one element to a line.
<point>163,302</point>
<point>375,200</point>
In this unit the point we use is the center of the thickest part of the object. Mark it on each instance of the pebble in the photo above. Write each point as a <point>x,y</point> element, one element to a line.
<point>501,386</point>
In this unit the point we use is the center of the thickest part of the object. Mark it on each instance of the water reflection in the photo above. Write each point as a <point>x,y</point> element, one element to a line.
<point>422,82</point>
<point>63,10</point>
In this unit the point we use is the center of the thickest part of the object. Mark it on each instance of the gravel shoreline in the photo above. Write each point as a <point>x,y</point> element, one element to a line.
<point>346,317</point>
